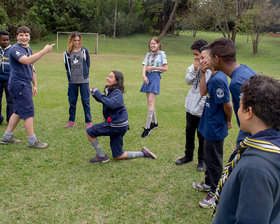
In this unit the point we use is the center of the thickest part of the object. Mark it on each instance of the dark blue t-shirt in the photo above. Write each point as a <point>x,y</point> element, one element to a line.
<point>213,125</point>
<point>20,73</point>
<point>238,77</point>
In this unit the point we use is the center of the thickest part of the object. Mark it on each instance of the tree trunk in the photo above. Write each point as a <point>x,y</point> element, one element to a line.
<point>115,19</point>
<point>170,19</point>
<point>130,4</point>
<point>234,31</point>
<point>194,32</point>
<point>239,10</point>
<point>227,28</point>
<point>221,28</point>
<point>256,43</point>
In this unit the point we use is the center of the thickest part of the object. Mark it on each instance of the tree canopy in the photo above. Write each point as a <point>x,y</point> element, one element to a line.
<point>125,17</point>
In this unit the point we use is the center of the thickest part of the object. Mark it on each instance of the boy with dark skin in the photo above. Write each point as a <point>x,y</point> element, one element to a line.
<point>223,58</point>
<point>5,48</point>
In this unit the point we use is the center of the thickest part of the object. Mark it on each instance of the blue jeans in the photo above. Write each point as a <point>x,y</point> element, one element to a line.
<point>10,106</point>
<point>73,92</point>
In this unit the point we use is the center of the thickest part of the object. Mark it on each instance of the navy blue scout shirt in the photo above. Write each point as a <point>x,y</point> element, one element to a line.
<point>238,78</point>
<point>251,195</point>
<point>20,73</point>
<point>5,63</point>
<point>113,106</point>
<point>213,124</point>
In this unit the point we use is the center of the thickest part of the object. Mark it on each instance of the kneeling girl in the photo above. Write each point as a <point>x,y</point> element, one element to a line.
<point>116,121</point>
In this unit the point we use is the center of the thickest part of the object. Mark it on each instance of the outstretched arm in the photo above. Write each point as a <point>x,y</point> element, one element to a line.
<point>114,101</point>
<point>35,57</point>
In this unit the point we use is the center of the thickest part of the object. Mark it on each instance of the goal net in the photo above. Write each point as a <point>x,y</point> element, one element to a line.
<point>92,41</point>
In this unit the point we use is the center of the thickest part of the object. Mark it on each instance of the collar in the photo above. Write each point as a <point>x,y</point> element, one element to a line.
<point>267,140</point>
<point>23,45</point>
<point>5,48</point>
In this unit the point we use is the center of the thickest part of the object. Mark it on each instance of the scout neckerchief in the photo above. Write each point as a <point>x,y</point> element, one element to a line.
<point>27,48</point>
<point>257,143</point>
<point>2,59</point>
<point>153,56</point>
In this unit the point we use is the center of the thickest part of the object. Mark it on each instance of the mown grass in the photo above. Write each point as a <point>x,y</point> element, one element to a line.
<point>59,185</point>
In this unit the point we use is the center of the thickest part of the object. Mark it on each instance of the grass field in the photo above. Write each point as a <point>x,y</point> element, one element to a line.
<point>59,185</point>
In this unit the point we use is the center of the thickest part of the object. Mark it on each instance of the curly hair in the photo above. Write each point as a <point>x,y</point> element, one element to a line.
<point>4,33</point>
<point>120,82</point>
<point>198,44</point>
<point>262,93</point>
<point>223,48</point>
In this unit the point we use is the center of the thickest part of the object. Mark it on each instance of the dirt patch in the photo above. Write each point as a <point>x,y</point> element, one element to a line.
<point>274,34</point>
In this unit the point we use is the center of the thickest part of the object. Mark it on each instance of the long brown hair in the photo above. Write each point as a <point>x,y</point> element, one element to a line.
<point>120,82</point>
<point>156,39</point>
<point>71,41</point>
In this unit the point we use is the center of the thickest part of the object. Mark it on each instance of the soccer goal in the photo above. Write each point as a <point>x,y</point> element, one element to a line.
<point>91,41</point>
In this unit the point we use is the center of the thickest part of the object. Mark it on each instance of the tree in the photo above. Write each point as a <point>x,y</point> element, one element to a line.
<point>4,19</point>
<point>170,20</point>
<point>198,16</point>
<point>228,15</point>
<point>258,19</point>
<point>130,5</point>
<point>159,13</point>
<point>115,19</point>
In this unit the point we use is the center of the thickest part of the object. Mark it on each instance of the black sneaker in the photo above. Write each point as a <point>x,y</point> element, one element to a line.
<point>146,132</point>
<point>201,166</point>
<point>183,161</point>
<point>148,154</point>
<point>153,125</point>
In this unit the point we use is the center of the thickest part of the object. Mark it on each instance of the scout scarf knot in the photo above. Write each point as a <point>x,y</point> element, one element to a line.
<point>153,57</point>
<point>256,142</point>
<point>27,48</point>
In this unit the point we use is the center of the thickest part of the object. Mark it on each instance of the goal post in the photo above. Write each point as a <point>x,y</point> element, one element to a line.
<point>90,40</point>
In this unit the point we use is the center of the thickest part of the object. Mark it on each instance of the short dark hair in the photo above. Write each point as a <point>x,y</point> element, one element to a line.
<point>262,93</point>
<point>205,47</point>
<point>120,82</point>
<point>4,33</point>
<point>23,29</point>
<point>223,48</point>
<point>198,44</point>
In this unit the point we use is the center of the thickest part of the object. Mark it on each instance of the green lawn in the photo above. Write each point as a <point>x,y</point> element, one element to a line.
<point>59,185</point>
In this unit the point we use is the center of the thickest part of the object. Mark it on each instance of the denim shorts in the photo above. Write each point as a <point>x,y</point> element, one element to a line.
<point>116,135</point>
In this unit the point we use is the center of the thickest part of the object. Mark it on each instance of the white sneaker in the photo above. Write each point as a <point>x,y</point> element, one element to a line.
<point>207,202</point>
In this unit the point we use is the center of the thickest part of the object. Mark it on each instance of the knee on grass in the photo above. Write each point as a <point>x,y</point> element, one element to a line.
<point>123,156</point>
